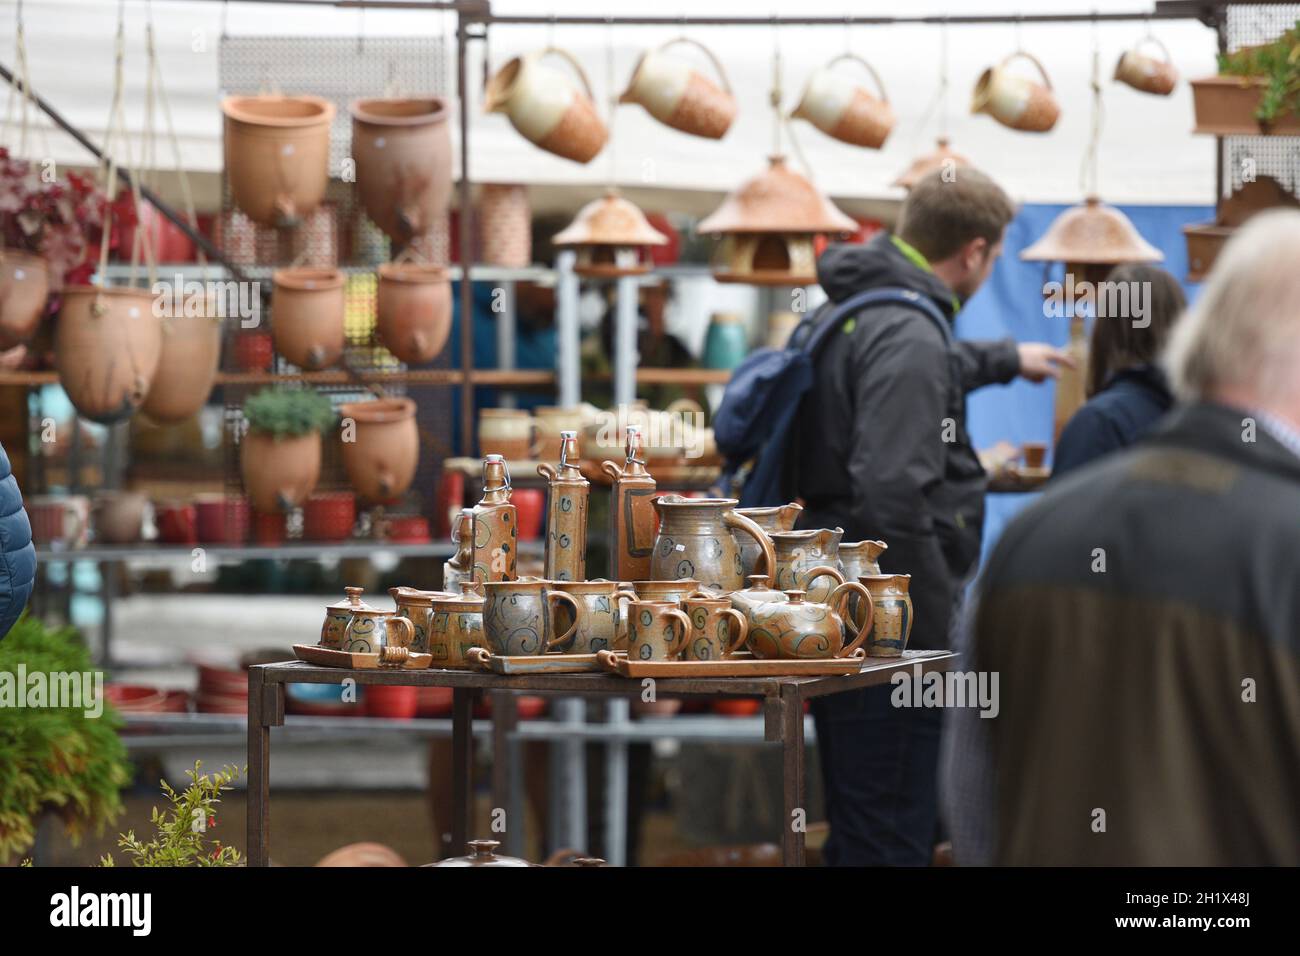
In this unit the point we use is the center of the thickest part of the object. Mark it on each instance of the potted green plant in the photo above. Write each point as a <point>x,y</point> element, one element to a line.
<point>280,453</point>
<point>1257,91</point>
<point>64,762</point>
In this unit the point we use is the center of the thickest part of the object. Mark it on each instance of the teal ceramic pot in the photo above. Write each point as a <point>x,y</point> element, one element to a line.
<point>726,344</point>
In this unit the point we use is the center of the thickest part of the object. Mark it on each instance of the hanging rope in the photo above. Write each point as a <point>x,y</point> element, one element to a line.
<point>1088,169</point>
<point>22,88</point>
<point>940,101</point>
<point>777,94</point>
<point>613,101</point>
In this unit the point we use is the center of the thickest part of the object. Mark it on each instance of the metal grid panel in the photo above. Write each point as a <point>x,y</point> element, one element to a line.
<point>1252,24</point>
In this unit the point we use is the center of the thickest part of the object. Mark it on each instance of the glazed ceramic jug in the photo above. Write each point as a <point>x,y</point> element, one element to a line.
<point>808,561</point>
<point>712,622</point>
<point>1146,73</point>
<point>892,623</point>
<point>337,616</point>
<point>725,344</point>
<point>547,107</point>
<point>602,626</point>
<point>680,96</point>
<point>566,514</point>
<point>456,626</point>
<point>656,631</point>
<point>381,447</point>
<point>631,512</point>
<point>694,541</point>
<point>372,631</point>
<point>494,525</point>
<point>800,629</point>
<point>518,617</point>
<point>416,606</point>
<point>1016,101</point>
<point>842,108</point>
<point>774,518</point>
<point>859,558</point>
<point>460,566</point>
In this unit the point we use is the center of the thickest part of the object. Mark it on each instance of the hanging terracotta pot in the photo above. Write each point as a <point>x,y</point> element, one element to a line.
<point>107,345</point>
<point>279,473</point>
<point>307,316</point>
<point>678,95</point>
<point>413,307</point>
<point>1146,74</point>
<point>277,155</point>
<point>845,110</point>
<point>191,355</point>
<point>381,458</point>
<point>547,107</point>
<point>24,287</point>
<point>1016,101</point>
<point>402,149</point>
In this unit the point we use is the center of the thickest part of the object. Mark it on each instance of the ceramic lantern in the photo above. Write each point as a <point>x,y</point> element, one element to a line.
<point>942,157</point>
<point>768,227</point>
<point>609,235</point>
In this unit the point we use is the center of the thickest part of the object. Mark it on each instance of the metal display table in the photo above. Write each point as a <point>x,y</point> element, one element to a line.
<point>783,723</point>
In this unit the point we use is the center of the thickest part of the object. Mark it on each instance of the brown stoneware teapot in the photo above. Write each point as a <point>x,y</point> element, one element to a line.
<point>799,629</point>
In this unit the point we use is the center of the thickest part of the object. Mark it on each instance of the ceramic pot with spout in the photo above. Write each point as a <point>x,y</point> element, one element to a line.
<point>456,626</point>
<point>842,108</point>
<point>631,512</point>
<point>24,287</point>
<point>277,155</point>
<point>860,558</point>
<point>494,526</point>
<point>187,368</point>
<point>402,148</point>
<point>892,621</point>
<point>809,561</point>
<point>1147,74</point>
<point>381,459</point>
<point>1017,101</point>
<point>694,541</point>
<point>800,629</point>
<point>482,853</point>
<point>107,346</point>
<point>566,514</point>
<point>413,310</point>
<point>547,107</point>
<point>307,309</point>
<point>460,566</point>
<point>680,96</point>
<point>379,632</point>
<point>279,472</point>
<point>337,616</point>
<point>770,519</point>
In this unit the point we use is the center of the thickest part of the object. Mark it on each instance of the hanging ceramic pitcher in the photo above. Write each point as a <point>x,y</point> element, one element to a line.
<point>680,96</point>
<point>277,151</point>
<point>402,150</point>
<point>1147,74</point>
<point>381,447</point>
<point>809,561</point>
<point>694,541</point>
<point>775,518</point>
<point>494,525</point>
<point>631,513</point>
<point>844,109</point>
<point>547,107</point>
<point>413,310</point>
<point>24,287</point>
<point>107,346</point>
<point>1017,101</point>
<point>566,514</point>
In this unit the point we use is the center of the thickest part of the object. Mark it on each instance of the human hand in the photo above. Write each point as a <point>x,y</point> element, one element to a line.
<point>1040,361</point>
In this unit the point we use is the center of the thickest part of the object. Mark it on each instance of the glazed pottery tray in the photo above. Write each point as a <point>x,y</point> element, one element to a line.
<point>534,663</point>
<point>622,665</point>
<point>328,657</point>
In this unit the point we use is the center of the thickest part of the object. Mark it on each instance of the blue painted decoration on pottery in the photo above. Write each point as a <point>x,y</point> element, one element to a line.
<point>657,631</point>
<point>517,617</point>
<point>602,628</point>
<point>712,622</point>
<point>337,616</point>
<point>456,626</point>
<point>801,629</point>
<point>892,623</point>
<point>566,514</point>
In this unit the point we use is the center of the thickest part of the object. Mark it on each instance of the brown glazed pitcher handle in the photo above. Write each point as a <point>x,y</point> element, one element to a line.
<point>812,574</point>
<point>408,629</point>
<point>743,634</point>
<point>733,520</point>
<point>612,469</point>
<point>840,596</point>
<point>579,617</point>
<point>680,617</point>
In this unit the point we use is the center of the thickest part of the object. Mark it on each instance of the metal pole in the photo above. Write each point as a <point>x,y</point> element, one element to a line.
<point>617,716</point>
<point>567,337</point>
<point>507,326</point>
<point>466,248</point>
<point>625,352</point>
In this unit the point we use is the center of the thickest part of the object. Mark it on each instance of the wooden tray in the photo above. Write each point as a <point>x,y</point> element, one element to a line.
<point>328,657</point>
<point>534,663</point>
<point>623,666</point>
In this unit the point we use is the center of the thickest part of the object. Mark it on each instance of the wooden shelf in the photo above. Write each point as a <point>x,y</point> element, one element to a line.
<point>524,378</point>
<point>672,376</point>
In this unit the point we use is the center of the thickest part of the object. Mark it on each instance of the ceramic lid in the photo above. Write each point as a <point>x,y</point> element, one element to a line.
<point>610,221</point>
<point>1093,233</point>
<point>928,163</point>
<point>481,854</point>
<point>416,596</point>
<point>352,602</point>
<point>777,200</point>
<point>468,598</point>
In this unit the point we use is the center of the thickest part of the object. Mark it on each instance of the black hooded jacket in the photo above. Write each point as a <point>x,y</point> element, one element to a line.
<point>881,447</point>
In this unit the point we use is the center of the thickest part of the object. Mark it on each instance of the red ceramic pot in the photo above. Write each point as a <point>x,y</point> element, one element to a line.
<point>408,529</point>
<point>447,502</point>
<point>254,351</point>
<point>742,707</point>
<point>135,699</point>
<point>329,517</point>
<point>178,523</point>
<point>433,701</point>
<point>530,504</point>
<point>396,703</point>
<point>269,527</point>
<point>222,519</point>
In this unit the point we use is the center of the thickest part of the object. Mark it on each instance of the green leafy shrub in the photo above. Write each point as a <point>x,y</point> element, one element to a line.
<point>288,412</point>
<point>55,759</point>
<point>1279,63</point>
<point>181,831</point>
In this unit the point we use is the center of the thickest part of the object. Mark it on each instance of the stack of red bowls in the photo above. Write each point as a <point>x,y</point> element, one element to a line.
<point>222,519</point>
<point>408,529</point>
<point>329,517</point>
<point>138,699</point>
<point>269,527</point>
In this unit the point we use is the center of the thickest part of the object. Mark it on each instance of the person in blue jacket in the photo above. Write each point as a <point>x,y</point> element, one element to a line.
<point>17,554</point>
<point>1126,388</point>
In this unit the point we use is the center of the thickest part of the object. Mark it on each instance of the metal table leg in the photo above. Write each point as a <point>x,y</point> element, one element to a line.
<point>462,766</point>
<point>505,772</point>
<point>265,710</point>
<point>784,722</point>
<point>617,716</point>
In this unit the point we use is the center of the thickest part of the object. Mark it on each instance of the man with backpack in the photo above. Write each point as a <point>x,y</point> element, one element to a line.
<point>879,447</point>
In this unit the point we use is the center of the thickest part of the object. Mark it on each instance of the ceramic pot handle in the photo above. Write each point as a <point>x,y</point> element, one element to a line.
<point>394,656</point>
<point>407,628</point>
<point>547,471</point>
<point>620,594</point>
<point>701,594</point>
<point>1025,54</point>
<point>1152,38</point>
<point>733,520</point>
<point>840,597</point>
<point>717,66</point>
<point>613,469</point>
<point>579,617</point>
<point>573,62</point>
<point>684,623</point>
<point>804,581</point>
<point>742,634</point>
<point>853,57</point>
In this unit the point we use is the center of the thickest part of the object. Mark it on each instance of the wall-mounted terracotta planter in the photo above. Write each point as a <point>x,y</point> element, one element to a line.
<point>277,155</point>
<point>307,309</point>
<point>381,461</point>
<point>1226,105</point>
<point>413,310</point>
<point>191,354</point>
<point>106,348</point>
<point>402,149</point>
<point>24,287</point>
<point>279,473</point>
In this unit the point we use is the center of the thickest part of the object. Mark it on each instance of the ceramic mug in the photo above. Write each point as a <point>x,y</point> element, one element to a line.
<point>656,631</point>
<point>518,615</point>
<point>379,632</point>
<point>711,629</point>
<point>514,435</point>
<point>1034,454</point>
<point>601,630</point>
<point>59,520</point>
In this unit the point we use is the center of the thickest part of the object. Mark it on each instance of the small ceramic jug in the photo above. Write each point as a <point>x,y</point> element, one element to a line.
<point>518,616</point>
<point>712,624</point>
<point>1146,73</point>
<point>547,107</point>
<point>416,606</point>
<point>800,629</point>
<point>379,632</point>
<point>456,626</point>
<point>632,517</point>
<point>495,525</point>
<point>841,108</point>
<point>1016,101</point>
<point>695,541</point>
<point>656,631</point>
<point>808,561</point>
<point>678,95</point>
<point>892,622</point>
<point>337,616</point>
<point>600,629</point>
<point>774,518</point>
<point>566,514</point>
<point>859,558</point>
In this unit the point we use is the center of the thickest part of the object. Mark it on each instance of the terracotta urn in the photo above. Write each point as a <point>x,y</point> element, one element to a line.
<point>191,355</point>
<point>279,473</point>
<point>413,310</point>
<point>1017,102</point>
<point>891,624</point>
<point>381,458</point>
<point>24,287</point>
<point>547,107</point>
<point>402,149</point>
<point>118,516</point>
<point>680,96</point>
<point>808,561</point>
<point>845,110</point>
<point>337,616</point>
<point>800,629</point>
<point>277,155</point>
<point>774,518</point>
<point>107,346</point>
<point>694,541</point>
<point>307,310</point>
